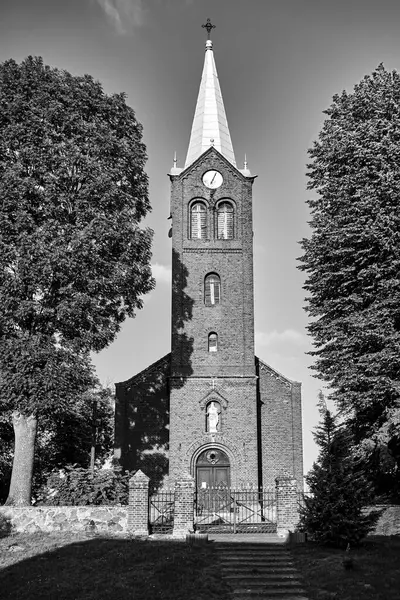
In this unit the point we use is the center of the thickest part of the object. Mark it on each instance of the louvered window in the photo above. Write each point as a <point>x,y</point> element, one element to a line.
<point>225,219</point>
<point>212,342</point>
<point>212,289</point>
<point>198,221</point>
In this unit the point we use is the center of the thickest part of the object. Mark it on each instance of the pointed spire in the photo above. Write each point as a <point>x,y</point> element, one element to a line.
<point>245,171</point>
<point>210,126</point>
<point>175,170</point>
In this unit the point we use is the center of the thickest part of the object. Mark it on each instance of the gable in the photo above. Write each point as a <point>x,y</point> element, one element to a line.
<point>159,369</point>
<point>266,371</point>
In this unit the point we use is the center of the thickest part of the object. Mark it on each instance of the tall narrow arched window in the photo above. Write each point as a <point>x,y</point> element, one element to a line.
<point>198,221</point>
<point>212,342</point>
<point>212,289</point>
<point>225,221</point>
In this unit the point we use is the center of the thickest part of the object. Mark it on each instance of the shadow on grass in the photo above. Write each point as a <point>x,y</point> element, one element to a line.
<point>109,568</point>
<point>375,572</point>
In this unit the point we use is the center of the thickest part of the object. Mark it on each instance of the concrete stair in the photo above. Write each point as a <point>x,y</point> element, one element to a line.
<point>263,571</point>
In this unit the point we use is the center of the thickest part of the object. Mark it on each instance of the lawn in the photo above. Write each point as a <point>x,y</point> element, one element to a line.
<point>375,576</point>
<point>68,566</point>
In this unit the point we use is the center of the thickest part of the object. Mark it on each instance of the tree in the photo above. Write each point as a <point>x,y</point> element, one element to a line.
<point>333,512</point>
<point>352,260</point>
<point>74,262</point>
<point>62,439</point>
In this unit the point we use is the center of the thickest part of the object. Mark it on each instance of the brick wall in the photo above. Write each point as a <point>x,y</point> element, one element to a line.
<point>280,426</point>
<point>238,436</point>
<point>142,421</point>
<point>184,505</point>
<point>230,371</point>
<point>138,508</point>
<point>287,505</point>
<point>233,319</point>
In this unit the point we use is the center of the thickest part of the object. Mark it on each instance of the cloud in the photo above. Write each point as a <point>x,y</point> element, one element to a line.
<point>274,337</point>
<point>161,273</point>
<point>125,15</point>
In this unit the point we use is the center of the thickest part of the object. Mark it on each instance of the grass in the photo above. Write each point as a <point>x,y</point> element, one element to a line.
<point>375,576</point>
<point>67,566</point>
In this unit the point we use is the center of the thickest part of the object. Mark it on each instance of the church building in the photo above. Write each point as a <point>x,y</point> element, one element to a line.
<point>210,407</point>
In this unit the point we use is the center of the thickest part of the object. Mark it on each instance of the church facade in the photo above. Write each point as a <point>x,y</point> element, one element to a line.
<point>211,408</point>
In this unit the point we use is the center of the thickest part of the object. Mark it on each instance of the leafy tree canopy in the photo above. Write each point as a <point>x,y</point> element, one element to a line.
<point>352,258</point>
<point>74,262</point>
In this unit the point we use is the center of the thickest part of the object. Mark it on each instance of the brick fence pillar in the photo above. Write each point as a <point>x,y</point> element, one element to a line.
<point>184,506</point>
<point>287,501</point>
<point>138,509</point>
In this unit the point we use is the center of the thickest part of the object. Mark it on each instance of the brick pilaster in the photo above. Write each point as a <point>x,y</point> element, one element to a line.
<point>287,505</point>
<point>184,506</point>
<point>138,509</point>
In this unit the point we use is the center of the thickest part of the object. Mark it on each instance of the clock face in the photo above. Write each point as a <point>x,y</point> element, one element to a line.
<point>212,179</point>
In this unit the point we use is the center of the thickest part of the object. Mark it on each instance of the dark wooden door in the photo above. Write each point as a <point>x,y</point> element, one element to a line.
<point>212,476</point>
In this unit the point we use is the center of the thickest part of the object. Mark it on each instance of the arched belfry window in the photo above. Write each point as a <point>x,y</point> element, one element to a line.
<point>225,221</point>
<point>212,342</point>
<point>212,289</point>
<point>198,221</point>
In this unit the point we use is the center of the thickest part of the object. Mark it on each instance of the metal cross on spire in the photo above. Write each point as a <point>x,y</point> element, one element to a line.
<point>209,26</point>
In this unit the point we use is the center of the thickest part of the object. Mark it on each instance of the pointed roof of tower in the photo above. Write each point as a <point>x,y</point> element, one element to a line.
<point>210,126</point>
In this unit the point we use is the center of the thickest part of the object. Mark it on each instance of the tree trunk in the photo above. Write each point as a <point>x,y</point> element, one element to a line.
<point>24,448</point>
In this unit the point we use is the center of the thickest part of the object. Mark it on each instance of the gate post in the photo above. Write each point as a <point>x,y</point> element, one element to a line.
<point>184,506</point>
<point>138,508</point>
<point>287,505</point>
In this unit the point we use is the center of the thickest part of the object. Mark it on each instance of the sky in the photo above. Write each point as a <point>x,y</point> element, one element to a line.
<point>279,64</point>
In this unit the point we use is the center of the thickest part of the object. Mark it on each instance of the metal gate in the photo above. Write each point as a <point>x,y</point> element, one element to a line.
<point>161,511</point>
<point>224,510</point>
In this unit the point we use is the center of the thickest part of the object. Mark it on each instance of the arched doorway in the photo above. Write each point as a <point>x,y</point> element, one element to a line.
<point>212,469</point>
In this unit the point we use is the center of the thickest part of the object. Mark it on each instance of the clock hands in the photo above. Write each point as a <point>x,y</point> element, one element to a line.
<point>215,174</point>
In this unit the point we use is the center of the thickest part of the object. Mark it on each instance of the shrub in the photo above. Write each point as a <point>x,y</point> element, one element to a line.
<point>333,514</point>
<point>76,486</point>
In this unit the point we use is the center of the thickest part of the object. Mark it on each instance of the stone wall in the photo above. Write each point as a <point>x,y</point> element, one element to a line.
<point>102,519</point>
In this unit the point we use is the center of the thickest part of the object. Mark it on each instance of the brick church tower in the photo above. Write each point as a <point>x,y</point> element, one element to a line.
<point>210,407</point>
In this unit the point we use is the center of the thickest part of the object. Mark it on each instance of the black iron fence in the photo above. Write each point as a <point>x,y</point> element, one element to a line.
<point>224,510</point>
<point>161,511</point>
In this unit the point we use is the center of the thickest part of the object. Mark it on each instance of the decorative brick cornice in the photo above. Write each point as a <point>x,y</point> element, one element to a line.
<point>159,365</point>
<point>213,250</point>
<point>213,394</point>
<point>273,373</point>
<point>221,441</point>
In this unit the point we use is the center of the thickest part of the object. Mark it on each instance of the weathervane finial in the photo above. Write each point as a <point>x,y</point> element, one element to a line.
<point>209,26</point>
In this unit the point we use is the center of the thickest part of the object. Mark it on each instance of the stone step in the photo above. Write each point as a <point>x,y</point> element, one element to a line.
<point>259,560</point>
<point>250,552</point>
<point>267,594</point>
<point>262,569</point>
<point>252,549</point>
<point>262,581</point>
<point>279,547</point>
<point>284,578</point>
